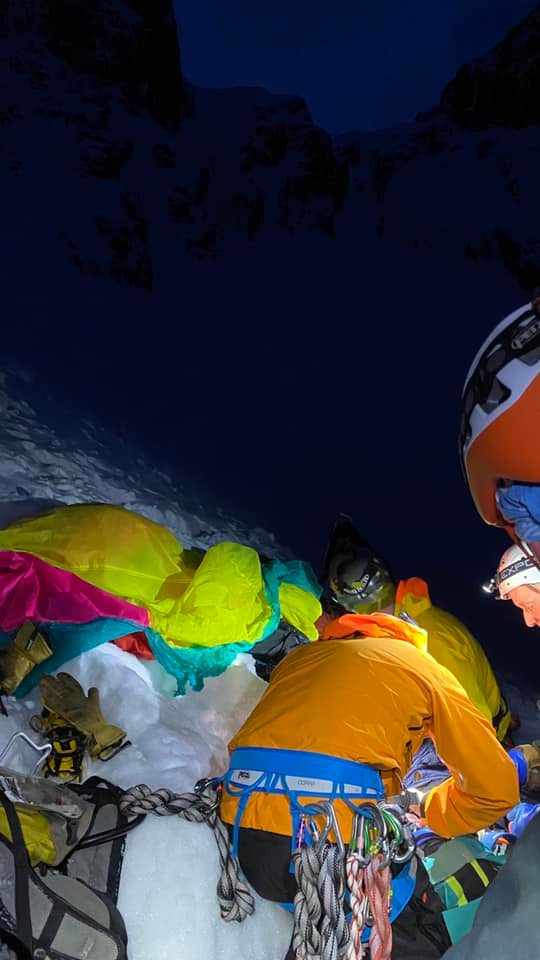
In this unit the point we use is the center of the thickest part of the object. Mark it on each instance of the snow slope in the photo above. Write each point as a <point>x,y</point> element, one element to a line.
<point>82,464</point>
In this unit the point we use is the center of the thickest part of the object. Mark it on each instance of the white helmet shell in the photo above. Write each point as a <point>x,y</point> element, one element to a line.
<point>515,569</point>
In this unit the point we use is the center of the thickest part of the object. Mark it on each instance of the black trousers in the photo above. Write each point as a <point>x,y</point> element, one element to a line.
<point>419,933</point>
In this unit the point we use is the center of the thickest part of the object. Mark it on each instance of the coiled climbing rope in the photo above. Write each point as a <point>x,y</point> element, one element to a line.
<point>369,885</point>
<point>378,892</point>
<point>320,925</point>
<point>236,902</point>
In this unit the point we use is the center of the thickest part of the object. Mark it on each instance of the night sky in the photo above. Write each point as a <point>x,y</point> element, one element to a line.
<point>271,410</point>
<point>360,65</point>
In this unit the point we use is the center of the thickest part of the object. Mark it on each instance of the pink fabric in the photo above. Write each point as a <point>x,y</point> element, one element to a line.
<point>31,589</point>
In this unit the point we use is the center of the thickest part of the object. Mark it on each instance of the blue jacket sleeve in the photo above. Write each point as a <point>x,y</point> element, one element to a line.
<point>520,506</point>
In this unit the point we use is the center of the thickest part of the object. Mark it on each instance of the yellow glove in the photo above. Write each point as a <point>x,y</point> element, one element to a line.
<point>64,696</point>
<point>26,650</point>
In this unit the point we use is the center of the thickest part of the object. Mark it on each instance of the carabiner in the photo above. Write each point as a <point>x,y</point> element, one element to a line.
<point>309,812</point>
<point>359,823</point>
<point>403,839</point>
<point>332,824</point>
<point>204,784</point>
<point>409,843</point>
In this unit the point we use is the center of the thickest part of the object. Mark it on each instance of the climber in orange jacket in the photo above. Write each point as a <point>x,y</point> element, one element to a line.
<point>359,581</point>
<point>356,703</point>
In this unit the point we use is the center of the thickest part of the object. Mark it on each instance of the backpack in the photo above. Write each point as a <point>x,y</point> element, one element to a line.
<point>63,910</point>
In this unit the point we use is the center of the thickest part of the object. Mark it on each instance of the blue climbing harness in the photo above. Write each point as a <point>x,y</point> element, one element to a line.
<point>299,774</point>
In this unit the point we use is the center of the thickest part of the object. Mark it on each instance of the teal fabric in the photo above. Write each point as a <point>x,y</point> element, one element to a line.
<point>444,863</point>
<point>459,920</point>
<point>191,665</point>
<point>69,640</point>
<point>454,853</point>
<point>188,665</point>
<point>276,572</point>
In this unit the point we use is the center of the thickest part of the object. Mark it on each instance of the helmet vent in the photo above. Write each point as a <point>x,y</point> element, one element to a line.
<point>497,395</point>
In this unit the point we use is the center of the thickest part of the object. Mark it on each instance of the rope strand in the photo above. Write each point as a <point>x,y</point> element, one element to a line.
<point>236,902</point>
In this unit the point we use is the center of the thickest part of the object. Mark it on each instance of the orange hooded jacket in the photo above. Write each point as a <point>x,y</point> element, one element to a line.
<point>372,698</point>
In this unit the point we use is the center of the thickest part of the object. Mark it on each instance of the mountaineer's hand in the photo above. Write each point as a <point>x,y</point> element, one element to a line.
<point>527,760</point>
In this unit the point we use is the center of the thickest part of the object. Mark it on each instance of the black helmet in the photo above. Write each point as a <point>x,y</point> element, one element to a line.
<point>356,576</point>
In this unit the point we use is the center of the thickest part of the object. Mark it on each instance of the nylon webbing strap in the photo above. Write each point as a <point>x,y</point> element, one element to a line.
<point>23,917</point>
<point>52,926</point>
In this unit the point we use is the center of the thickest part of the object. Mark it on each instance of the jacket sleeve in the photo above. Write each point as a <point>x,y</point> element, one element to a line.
<point>484,783</point>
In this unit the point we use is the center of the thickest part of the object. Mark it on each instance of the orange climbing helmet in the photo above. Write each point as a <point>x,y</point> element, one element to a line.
<point>501,410</point>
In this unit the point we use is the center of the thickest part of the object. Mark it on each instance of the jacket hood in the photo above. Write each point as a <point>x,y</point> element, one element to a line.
<point>412,595</point>
<point>376,625</point>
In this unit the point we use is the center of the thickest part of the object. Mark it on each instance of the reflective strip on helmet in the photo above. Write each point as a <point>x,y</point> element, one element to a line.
<point>514,568</point>
<point>516,574</point>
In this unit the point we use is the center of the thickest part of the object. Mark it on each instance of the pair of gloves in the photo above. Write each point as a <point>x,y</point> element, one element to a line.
<point>62,695</point>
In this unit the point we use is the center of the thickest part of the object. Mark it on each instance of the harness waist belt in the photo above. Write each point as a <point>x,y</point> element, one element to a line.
<point>302,773</point>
